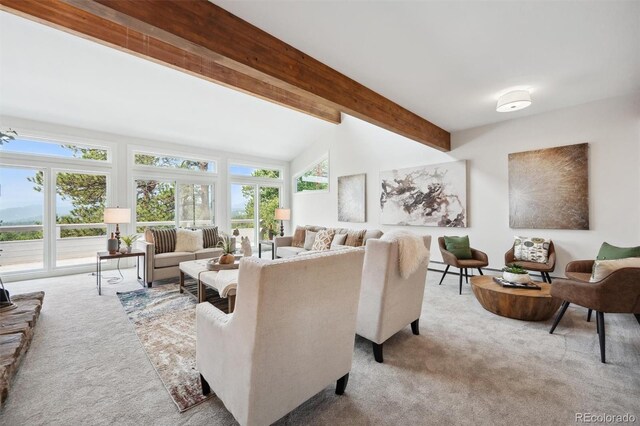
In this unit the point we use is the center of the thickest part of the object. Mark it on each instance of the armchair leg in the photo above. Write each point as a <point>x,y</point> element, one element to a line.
<point>415,327</point>
<point>543,276</point>
<point>600,320</point>
<point>445,273</point>
<point>466,275</point>
<point>589,315</point>
<point>377,351</point>
<point>548,278</point>
<point>341,384</point>
<point>480,271</point>
<point>563,309</point>
<point>637,317</point>
<point>460,281</point>
<point>206,390</point>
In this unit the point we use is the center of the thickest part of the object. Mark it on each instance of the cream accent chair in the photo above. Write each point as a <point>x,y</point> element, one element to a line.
<point>388,302</point>
<point>290,336</point>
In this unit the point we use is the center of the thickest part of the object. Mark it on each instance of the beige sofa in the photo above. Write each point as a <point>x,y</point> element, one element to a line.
<point>161,266</point>
<point>284,248</point>
<point>291,334</point>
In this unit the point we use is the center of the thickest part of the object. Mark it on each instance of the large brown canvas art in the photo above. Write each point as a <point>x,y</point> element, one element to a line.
<point>549,188</point>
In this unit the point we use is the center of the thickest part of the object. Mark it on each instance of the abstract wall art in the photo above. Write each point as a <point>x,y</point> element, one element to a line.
<point>352,199</point>
<point>549,188</point>
<point>433,195</point>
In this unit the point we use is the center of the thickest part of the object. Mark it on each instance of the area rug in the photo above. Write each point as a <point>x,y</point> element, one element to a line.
<point>165,322</point>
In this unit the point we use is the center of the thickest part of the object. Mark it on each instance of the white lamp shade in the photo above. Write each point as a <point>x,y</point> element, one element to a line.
<point>513,101</point>
<point>117,215</point>
<point>283,214</point>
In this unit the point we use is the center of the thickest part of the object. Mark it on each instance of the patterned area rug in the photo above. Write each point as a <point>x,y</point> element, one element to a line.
<point>165,322</point>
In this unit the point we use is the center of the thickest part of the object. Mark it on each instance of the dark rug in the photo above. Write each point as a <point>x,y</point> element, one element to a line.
<point>165,322</point>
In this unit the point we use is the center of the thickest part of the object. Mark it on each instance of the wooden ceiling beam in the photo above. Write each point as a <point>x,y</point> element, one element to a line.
<point>81,23</point>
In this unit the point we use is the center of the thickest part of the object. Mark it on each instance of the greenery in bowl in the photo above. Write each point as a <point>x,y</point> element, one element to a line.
<point>514,269</point>
<point>225,245</point>
<point>128,240</point>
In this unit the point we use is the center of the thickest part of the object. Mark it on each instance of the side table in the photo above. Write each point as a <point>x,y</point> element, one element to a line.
<point>105,255</point>
<point>267,243</point>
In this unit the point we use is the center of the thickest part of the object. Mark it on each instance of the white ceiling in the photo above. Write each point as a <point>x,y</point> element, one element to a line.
<point>446,61</point>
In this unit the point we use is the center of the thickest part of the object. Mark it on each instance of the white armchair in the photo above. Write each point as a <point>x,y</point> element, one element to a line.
<point>388,302</point>
<point>290,336</point>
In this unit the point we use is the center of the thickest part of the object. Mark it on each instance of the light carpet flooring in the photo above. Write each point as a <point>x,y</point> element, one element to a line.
<point>468,366</point>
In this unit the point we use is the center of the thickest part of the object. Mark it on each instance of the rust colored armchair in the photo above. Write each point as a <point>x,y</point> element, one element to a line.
<point>619,292</point>
<point>543,268</point>
<point>478,260</point>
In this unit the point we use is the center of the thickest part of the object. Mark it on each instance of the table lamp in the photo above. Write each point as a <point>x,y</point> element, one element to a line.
<point>282,215</point>
<point>117,215</point>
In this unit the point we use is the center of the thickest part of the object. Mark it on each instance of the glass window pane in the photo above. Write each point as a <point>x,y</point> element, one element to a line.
<point>171,162</point>
<point>155,204</point>
<point>239,170</point>
<point>269,202</point>
<point>243,210</point>
<point>315,178</point>
<point>80,231</point>
<point>195,205</point>
<point>21,219</point>
<point>25,146</point>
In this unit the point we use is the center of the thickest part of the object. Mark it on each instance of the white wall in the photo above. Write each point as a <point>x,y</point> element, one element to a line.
<point>611,127</point>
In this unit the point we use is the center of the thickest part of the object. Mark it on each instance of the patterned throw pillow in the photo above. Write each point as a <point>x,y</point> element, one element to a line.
<point>298,237</point>
<point>355,238</point>
<point>164,240</point>
<point>323,240</point>
<point>531,249</point>
<point>210,236</point>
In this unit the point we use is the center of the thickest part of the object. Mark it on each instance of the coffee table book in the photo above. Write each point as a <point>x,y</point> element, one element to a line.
<point>525,286</point>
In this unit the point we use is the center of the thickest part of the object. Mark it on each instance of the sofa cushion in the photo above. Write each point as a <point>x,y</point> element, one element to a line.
<point>164,240</point>
<point>188,240</point>
<point>210,237</point>
<point>165,260</point>
<point>309,238</point>
<point>323,240</point>
<point>338,240</point>
<point>355,238</point>
<point>532,249</point>
<point>458,246</point>
<point>298,237</point>
<point>289,251</point>
<point>208,253</point>
<point>609,252</point>
<point>604,268</point>
<point>314,228</point>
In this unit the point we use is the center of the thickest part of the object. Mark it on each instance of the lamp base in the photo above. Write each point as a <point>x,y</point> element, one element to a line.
<point>282,228</point>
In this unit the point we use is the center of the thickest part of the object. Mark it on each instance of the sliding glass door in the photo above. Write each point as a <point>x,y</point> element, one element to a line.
<point>253,219</point>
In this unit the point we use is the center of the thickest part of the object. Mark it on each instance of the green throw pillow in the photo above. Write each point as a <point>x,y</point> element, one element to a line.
<point>459,246</point>
<point>609,252</point>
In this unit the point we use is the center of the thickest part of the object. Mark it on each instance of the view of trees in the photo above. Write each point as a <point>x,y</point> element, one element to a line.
<point>269,199</point>
<point>315,178</point>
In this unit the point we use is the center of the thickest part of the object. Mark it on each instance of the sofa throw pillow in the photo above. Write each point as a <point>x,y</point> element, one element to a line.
<point>338,240</point>
<point>299,237</point>
<point>188,240</point>
<point>609,252</point>
<point>604,268</point>
<point>309,238</point>
<point>458,246</point>
<point>355,238</point>
<point>210,237</point>
<point>164,240</point>
<point>531,249</point>
<point>322,241</point>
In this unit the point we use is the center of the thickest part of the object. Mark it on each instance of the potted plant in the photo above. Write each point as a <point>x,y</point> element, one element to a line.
<point>515,274</point>
<point>128,241</point>
<point>227,251</point>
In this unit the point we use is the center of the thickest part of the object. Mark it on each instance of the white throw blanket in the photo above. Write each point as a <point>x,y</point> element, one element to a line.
<point>411,251</point>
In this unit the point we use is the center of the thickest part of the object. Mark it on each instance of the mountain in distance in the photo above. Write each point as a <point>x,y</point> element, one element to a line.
<point>25,214</point>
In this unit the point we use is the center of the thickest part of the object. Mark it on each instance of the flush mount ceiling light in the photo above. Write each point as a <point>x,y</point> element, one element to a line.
<point>513,101</point>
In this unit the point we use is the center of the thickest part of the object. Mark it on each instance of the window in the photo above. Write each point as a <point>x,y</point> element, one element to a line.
<point>195,205</point>
<point>314,178</point>
<point>155,204</point>
<point>26,146</point>
<point>250,219</point>
<point>171,162</point>
<point>249,171</point>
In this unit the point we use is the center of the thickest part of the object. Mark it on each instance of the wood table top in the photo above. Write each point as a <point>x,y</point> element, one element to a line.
<point>486,282</point>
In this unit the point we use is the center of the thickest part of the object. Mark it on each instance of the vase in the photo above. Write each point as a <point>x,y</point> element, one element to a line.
<point>516,278</point>
<point>227,259</point>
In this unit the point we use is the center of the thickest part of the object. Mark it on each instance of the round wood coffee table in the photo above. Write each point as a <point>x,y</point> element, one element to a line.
<point>527,305</point>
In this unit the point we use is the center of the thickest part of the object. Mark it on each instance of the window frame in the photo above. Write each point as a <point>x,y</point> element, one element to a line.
<point>169,170</point>
<point>318,160</point>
